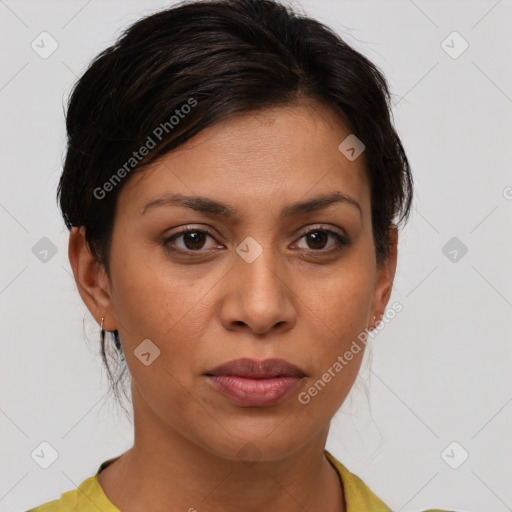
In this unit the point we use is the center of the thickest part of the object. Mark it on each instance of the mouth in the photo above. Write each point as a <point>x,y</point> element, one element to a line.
<point>252,383</point>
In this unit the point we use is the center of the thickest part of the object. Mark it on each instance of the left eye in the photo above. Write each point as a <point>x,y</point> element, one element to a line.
<point>318,238</point>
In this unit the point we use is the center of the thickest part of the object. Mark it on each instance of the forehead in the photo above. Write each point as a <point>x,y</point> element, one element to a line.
<point>258,158</point>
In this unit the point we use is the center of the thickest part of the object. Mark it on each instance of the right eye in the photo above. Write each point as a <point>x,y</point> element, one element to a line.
<point>193,240</point>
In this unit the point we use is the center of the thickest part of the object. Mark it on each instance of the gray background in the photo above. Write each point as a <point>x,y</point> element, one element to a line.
<point>438,373</point>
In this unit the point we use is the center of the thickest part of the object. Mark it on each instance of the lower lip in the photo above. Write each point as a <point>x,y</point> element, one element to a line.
<point>254,392</point>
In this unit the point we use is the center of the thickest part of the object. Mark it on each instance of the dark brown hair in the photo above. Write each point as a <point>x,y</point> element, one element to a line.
<point>178,71</point>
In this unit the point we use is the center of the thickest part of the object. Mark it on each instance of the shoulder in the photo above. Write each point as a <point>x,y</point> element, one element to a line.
<point>67,502</point>
<point>79,499</point>
<point>358,496</point>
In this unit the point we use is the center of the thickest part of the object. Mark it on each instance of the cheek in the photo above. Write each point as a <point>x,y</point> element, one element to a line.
<point>336,358</point>
<point>339,310</point>
<point>155,300</point>
<point>151,304</point>
<point>170,307</point>
<point>342,300</point>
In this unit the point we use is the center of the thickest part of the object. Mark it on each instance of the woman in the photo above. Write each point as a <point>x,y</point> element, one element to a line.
<point>233,187</point>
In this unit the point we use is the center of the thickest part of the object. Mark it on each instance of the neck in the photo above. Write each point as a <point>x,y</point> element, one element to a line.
<point>164,467</point>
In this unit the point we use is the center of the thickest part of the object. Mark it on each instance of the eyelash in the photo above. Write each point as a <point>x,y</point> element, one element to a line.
<point>342,241</point>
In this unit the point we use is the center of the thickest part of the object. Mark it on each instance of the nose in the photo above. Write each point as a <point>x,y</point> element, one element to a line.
<point>259,296</point>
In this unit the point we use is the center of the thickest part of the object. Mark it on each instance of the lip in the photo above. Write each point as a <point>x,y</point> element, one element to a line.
<point>253,383</point>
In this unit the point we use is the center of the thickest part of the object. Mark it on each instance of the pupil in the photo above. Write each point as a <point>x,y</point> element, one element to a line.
<point>317,236</point>
<point>196,240</point>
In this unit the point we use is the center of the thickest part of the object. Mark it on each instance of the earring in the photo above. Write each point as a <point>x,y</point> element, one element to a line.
<point>102,333</point>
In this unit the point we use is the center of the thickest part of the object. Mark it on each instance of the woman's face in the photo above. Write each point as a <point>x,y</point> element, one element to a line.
<point>251,284</point>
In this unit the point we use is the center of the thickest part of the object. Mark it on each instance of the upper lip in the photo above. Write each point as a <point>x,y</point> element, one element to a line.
<point>253,369</point>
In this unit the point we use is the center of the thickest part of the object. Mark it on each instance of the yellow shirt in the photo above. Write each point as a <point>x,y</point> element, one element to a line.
<point>89,496</point>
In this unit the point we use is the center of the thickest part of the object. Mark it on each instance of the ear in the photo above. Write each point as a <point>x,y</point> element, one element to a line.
<point>385,277</point>
<point>91,279</point>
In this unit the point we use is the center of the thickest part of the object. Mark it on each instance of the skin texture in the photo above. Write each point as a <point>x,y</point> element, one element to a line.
<point>299,301</point>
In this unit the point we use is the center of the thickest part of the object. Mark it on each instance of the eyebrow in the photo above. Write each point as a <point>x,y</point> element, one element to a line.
<point>209,206</point>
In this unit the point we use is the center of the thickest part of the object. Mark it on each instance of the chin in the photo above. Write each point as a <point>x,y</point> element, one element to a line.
<point>252,447</point>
